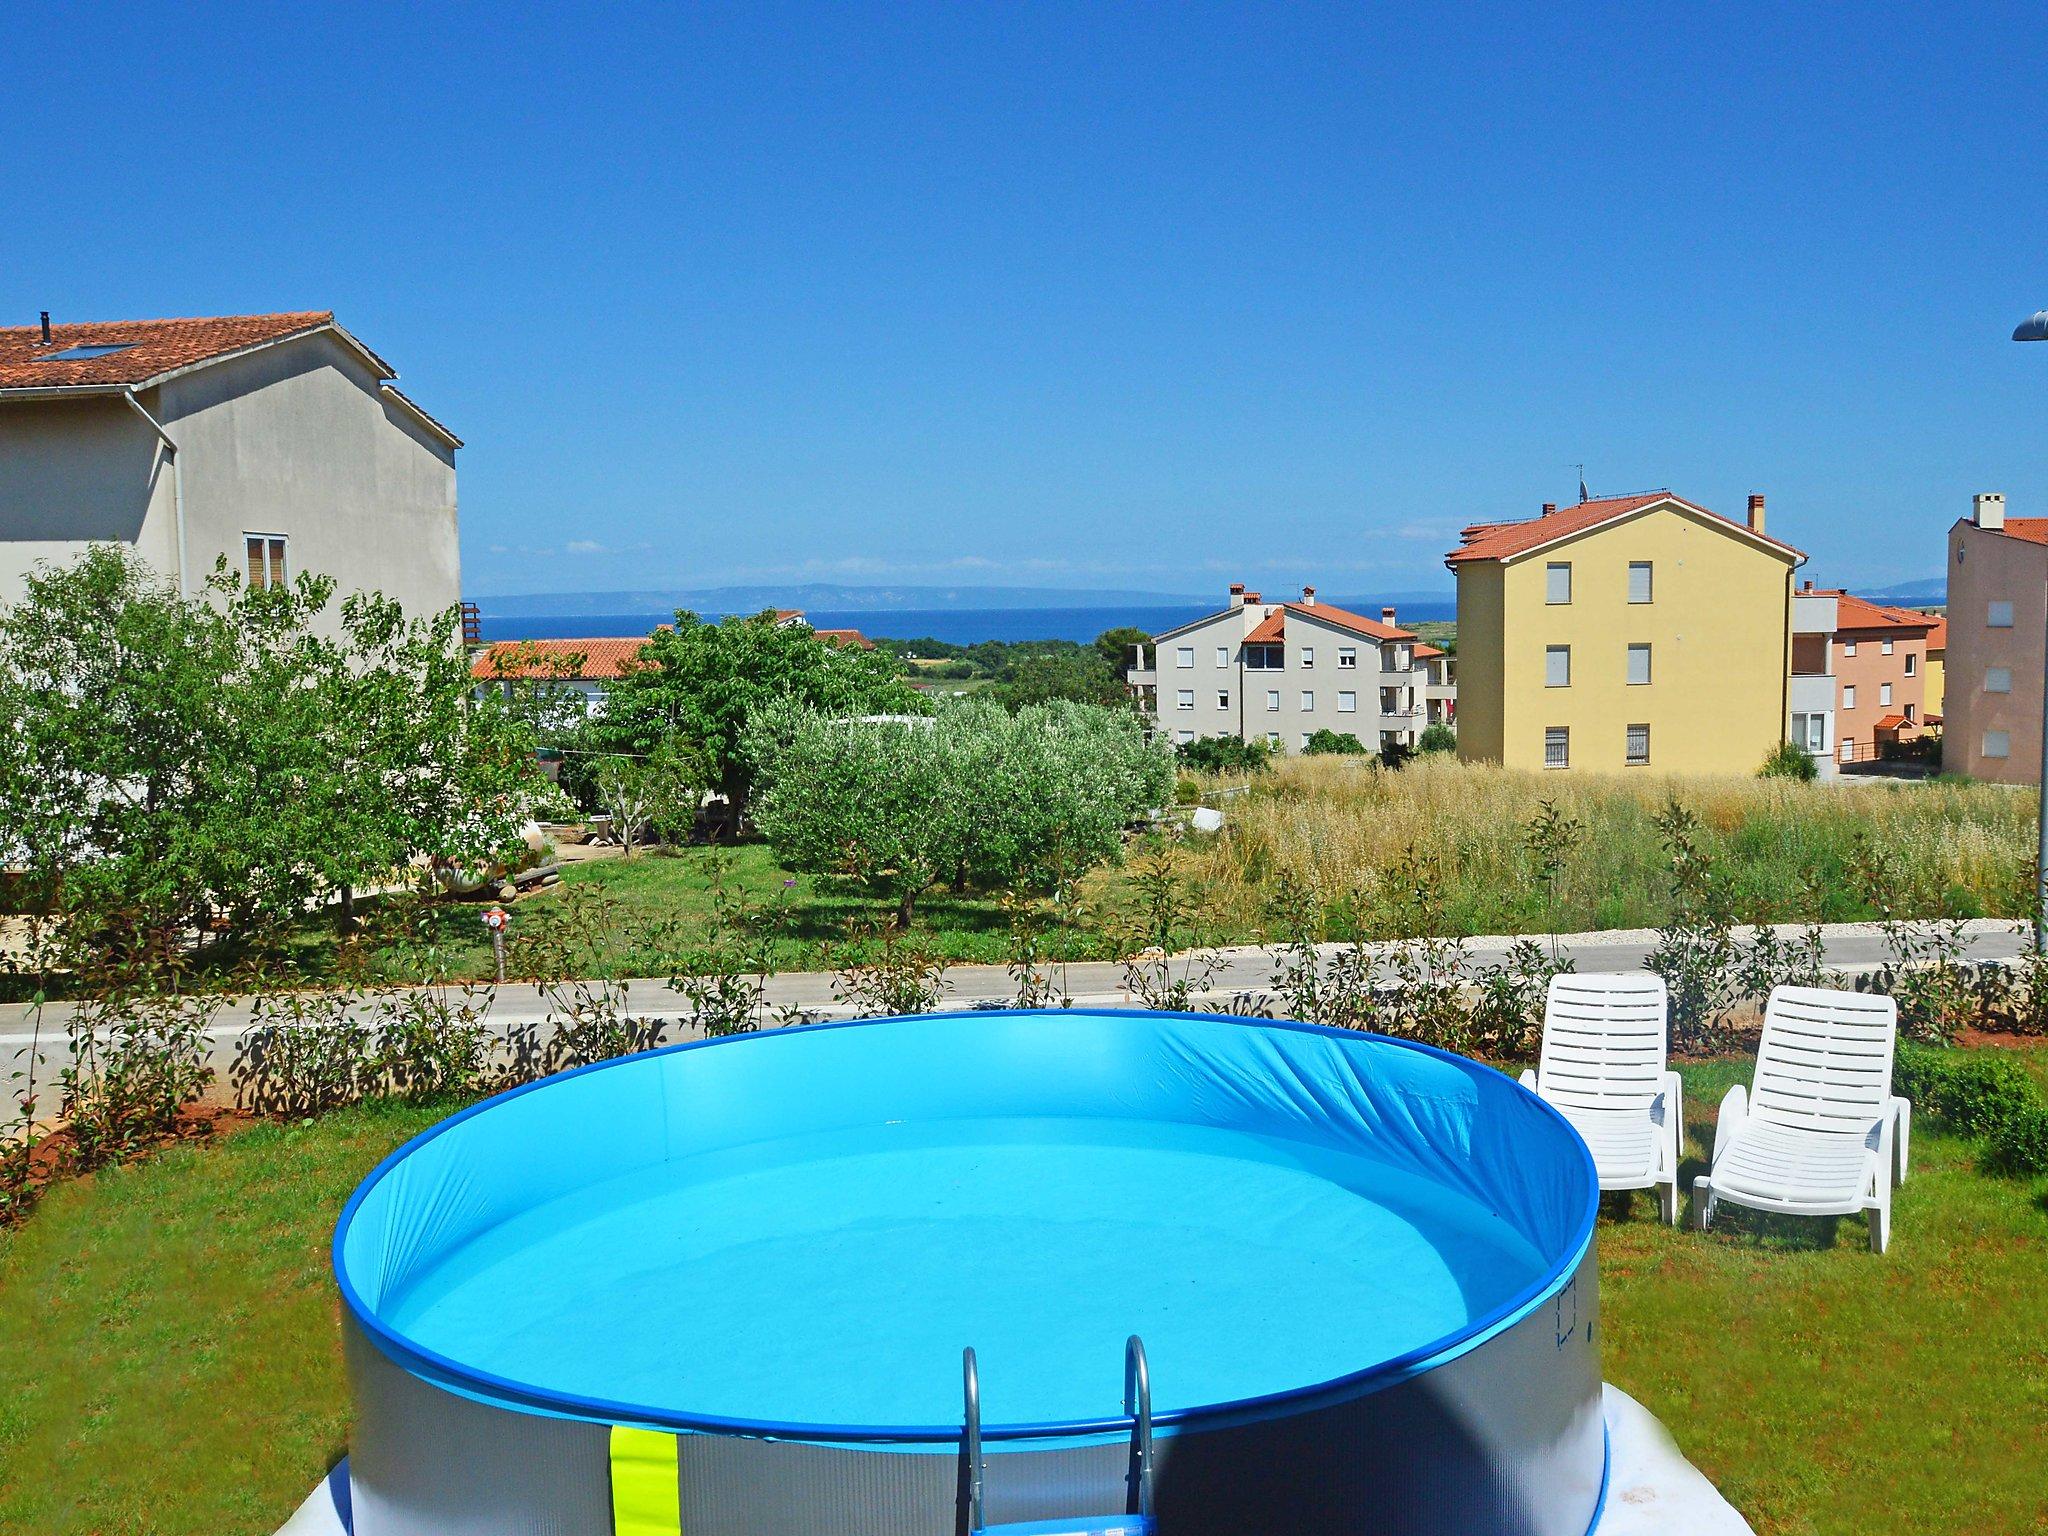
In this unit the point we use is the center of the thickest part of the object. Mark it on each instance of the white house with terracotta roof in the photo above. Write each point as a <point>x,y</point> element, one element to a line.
<point>585,668</point>
<point>1280,672</point>
<point>276,442</point>
<point>1997,609</point>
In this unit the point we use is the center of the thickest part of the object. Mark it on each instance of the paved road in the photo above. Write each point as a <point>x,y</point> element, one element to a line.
<point>1851,949</point>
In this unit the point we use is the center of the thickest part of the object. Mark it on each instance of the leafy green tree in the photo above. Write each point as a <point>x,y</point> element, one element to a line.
<point>1438,737</point>
<point>225,762</point>
<point>976,795</point>
<point>1788,761</point>
<point>705,683</point>
<point>1224,754</point>
<point>1114,646</point>
<point>661,791</point>
<point>1077,676</point>
<point>1327,742</point>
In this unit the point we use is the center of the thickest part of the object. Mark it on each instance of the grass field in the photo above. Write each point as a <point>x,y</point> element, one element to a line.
<point>172,1361</point>
<point>1786,851</point>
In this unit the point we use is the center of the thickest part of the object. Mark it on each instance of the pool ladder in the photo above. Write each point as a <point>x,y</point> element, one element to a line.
<point>1136,1519</point>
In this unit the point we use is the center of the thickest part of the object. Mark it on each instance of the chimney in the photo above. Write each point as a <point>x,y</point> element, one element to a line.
<point>1756,513</point>
<point>1237,594</point>
<point>1250,598</point>
<point>1549,507</point>
<point>1387,617</point>
<point>1809,583</point>
<point>1988,510</point>
<point>46,327</point>
<point>1308,597</point>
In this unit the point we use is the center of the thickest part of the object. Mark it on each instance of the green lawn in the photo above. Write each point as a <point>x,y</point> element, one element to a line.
<point>172,1365</point>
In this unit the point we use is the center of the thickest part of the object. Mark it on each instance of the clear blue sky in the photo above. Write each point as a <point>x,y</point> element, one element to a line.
<point>1087,295</point>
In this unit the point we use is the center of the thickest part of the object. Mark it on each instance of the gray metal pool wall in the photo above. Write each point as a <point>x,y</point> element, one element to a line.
<point>1503,1440</point>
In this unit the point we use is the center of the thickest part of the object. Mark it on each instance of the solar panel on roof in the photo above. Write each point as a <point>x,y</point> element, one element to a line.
<point>74,354</point>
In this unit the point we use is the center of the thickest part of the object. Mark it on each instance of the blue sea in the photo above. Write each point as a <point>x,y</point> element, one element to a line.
<point>957,626</point>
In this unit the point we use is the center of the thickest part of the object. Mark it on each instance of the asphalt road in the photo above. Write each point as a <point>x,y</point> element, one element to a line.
<point>1851,948</point>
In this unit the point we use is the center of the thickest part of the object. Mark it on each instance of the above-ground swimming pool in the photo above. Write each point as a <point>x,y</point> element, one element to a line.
<point>724,1289</point>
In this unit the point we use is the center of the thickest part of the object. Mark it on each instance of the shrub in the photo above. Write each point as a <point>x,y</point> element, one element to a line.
<point>1986,1095</point>
<point>1787,761</point>
<point>1327,742</point>
<point>138,1058</point>
<point>1224,754</point>
<point>2019,1146</point>
<point>1437,738</point>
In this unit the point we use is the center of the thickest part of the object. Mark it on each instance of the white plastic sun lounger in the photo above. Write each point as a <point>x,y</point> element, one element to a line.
<point>1820,1133</point>
<point>1602,1067</point>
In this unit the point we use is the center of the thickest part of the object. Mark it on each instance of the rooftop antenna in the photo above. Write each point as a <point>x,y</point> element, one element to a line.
<point>1584,495</point>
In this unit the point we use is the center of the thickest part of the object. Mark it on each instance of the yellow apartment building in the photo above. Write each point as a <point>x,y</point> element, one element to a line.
<point>1628,632</point>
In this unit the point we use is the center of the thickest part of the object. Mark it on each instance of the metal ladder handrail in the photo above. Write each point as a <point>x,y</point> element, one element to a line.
<point>1137,1408</point>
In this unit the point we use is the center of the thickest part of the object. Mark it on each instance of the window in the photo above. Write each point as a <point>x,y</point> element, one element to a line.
<point>1308,701</point>
<point>1848,647</point>
<point>1308,655</point>
<point>1186,699</point>
<point>1557,666</point>
<point>1557,582</point>
<point>1222,655</point>
<point>1183,736</point>
<point>1910,708</point>
<point>1272,699</point>
<point>1884,695</point>
<point>1998,679</point>
<point>266,559</point>
<point>1638,664</point>
<point>1638,746</point>
<point>1810,732</point>
<point>1557,746</point>
<point>1347,703</point>
<point>1184,657</point>
<point>1306,738</point>
<point>1848,696</point>
<point>1639,581</point>
<point>1264,658</point>
<point>1998,616</point>
<point>1997,744</point>
<point>1912,664</point>
<point>1223,698</point>
<point>1272,738</point>
<point>79,354</point>
<point>1884,647</point>
<point>1347,656</point>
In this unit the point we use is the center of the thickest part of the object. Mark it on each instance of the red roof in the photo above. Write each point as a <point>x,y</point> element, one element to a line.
<point>1271,629</point>
<point>2034,530</point>
<point>149,349</point>
<point>1503,541</point>
<point>1424,652</point>
<point>1890,723</point>
<point>1859,613</point>
<point>1937,634</point>
<point>559,660</point>
<point>852,637</point>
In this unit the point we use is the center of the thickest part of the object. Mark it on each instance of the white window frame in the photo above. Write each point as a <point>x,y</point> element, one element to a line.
<point>1223,698</point>
<point>1560,737</point>
<point>1183,656</point>
<point>1912,664</point>
<point>1347,702</point>
<point>1223,656</point>
<point>1272,701</point>
<point>1810,731</point>
<point>1649,570</point>
<point>1551,657</point>
<point>1884,647</point>
<point>1183,737</point>
<point>1308,701</point>
<point>1643,650</point>
<point>1848,647</point>
<point>1347,657</point>
<point>1557,576</point>
<point>276,556</point>
<point>1848,695</point>
<point>1184,699</point>
<point>1308,656</point>
<point>1884,695</point>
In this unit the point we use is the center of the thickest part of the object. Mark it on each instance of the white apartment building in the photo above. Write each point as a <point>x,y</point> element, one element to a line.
<point>1280,672</point>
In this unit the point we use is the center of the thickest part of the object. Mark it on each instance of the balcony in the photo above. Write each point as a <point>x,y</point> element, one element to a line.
<point>1140,670</point>
<point>1813,693</point>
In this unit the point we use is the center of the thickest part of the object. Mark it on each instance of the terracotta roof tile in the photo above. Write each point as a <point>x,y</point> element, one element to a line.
<point>149,348</point>
<point>557,659</point>
<point>1357,623</point>
<point>1937,635</point>
<point>1271,629</point>
<point>2034,530</point>
<point>1890,723</point>
<point>1860,613</point>
<point>852,637</point>
<point>1502,541</point>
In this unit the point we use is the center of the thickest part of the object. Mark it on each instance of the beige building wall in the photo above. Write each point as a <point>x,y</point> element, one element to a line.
<point>1987,732</point>
<point>297,439</point>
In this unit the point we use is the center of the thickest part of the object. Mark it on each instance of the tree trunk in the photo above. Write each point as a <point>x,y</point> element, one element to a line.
<point>346,916</point>
<point>906,902</point>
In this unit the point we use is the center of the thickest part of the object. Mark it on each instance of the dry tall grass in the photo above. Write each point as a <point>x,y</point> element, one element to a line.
<point>1787,849</point>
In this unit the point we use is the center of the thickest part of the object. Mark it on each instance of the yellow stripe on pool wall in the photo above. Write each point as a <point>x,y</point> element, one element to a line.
<point>647,1498</point>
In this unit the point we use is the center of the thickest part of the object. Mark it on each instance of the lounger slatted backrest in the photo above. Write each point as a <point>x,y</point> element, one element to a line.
<point>1603,1042</point>
<point>1826,1060</point>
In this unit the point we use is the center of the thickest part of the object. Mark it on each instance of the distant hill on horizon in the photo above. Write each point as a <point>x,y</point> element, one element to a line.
<point>833,597</point>
<point>1933,590</point>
